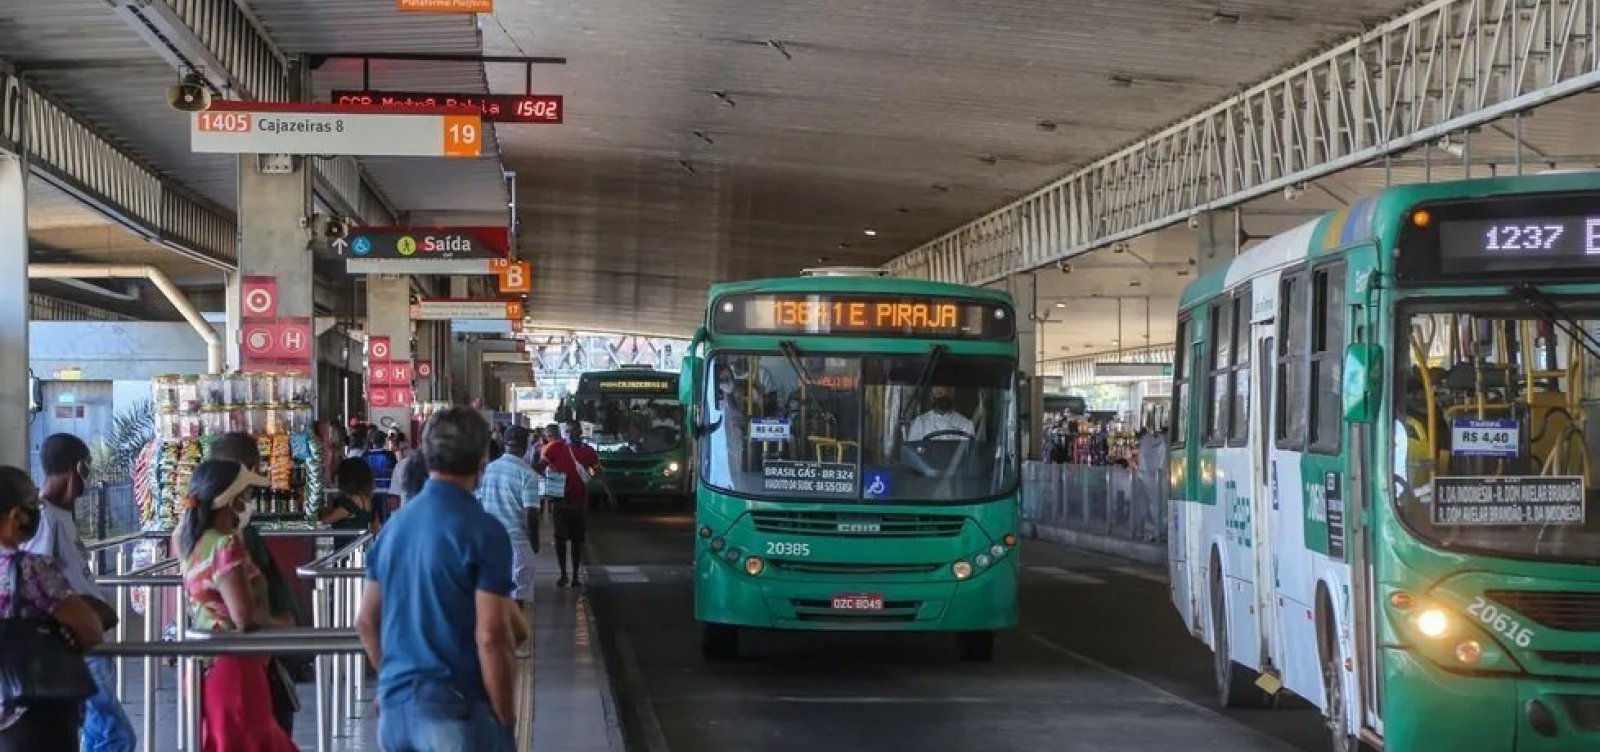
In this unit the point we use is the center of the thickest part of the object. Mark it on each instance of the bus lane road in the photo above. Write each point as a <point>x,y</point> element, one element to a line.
<point>1099,662</point>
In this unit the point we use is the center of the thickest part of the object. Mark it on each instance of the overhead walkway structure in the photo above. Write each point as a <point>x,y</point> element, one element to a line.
<point>1442,69</point>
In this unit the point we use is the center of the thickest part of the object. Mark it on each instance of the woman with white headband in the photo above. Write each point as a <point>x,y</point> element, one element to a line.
<point>228,593</point>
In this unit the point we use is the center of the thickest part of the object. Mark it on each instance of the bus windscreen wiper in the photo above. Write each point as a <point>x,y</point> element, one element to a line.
<point>1541,302</point>
<point>792,352</point>
<point>925,378</point>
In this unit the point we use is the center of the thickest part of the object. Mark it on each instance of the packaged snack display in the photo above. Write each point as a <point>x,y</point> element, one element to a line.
<point>192,411</point>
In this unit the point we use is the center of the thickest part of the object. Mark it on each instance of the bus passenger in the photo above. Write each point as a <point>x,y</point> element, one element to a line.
<point>943,419</point>
<point>227,593</point>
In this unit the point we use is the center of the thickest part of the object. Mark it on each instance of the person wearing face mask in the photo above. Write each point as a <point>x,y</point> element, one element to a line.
<point>37,587</point>
<point>243,449</point>
<point>943,417</point>
<point>65,461</point>
<point>227,593</point>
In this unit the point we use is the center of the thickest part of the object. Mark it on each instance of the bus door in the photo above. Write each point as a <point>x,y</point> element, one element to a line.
<point>1264,365</point>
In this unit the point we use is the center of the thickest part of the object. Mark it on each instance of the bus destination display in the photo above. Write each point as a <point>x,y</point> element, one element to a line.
<point>1518,242</point>
<point>636,385</point>
<point>862,315</point>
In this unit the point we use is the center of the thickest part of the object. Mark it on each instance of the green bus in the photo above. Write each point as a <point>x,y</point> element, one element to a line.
<point>859,455</point>
<point>1381,469</point>
<point>634,420</point>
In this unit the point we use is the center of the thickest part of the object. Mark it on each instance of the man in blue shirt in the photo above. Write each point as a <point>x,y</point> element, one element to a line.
<point>509,491</point>
<point>437,618</point>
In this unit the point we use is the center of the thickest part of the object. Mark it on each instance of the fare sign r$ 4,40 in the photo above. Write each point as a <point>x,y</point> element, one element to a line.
<point>310,128</point>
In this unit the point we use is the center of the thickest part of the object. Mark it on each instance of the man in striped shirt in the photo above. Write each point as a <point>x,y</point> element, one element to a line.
<point>509,492</point>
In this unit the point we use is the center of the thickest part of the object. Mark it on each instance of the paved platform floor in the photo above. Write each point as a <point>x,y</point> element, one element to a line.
<point>566,674</point>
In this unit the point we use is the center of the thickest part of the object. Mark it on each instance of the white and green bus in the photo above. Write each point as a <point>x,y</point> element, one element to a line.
<point>1382,473</point>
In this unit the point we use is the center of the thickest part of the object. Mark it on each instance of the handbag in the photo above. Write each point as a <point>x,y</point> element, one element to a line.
<point>553,484</point>
<point>36,663</point>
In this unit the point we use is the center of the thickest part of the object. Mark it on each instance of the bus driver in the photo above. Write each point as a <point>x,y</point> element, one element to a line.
<point>942,420</point>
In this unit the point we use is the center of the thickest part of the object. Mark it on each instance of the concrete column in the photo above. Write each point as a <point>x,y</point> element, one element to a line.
<point>1022,288</point>
<point>273,242</point>
<point>389,315</point>
<point>13,312</point>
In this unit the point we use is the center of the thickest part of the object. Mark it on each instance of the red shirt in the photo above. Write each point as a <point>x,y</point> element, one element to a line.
<point>559,459</point>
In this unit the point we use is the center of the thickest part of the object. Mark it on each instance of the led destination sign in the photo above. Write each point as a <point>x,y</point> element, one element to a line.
<point>496,108</point>
<point>1547,236</point>
<point>1552,240</point>
<point>908,316</point>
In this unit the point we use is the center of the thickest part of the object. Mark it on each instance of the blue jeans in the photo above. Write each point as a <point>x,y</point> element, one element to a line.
<point>106,727</point>
<point>437,718</point>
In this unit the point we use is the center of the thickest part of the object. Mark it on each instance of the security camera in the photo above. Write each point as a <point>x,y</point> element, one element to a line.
<point>1194,221</point>
<point>191,95</point>
<point>1065,267</point>
<point>1292,193</point>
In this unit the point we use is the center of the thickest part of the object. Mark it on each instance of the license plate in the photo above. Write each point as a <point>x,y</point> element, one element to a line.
<point>858,602</point>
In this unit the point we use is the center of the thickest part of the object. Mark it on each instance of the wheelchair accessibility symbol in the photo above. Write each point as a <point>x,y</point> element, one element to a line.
<point>877,485</point>
<point>361,246</point>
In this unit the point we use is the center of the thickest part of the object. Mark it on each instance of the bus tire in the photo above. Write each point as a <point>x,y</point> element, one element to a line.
<point>975,647</point>
<point>1236,684</point>
<point>1333,700</point>
<point>719,642</point>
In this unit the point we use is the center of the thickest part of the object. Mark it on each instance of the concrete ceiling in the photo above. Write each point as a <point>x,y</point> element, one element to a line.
<point>711,140</point>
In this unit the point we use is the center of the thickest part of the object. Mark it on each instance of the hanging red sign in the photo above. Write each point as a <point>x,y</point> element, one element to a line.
<point>378,349</point>
<point>424,369</point>
<point>277,346</point>
<point>258,297</point>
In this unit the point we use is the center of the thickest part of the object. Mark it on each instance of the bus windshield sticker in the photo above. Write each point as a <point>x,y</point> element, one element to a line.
<point>769,429</point>
<point>1508,500</point>
<point>830,479</point>
<point>1485,438</point>
<point>877,484</point>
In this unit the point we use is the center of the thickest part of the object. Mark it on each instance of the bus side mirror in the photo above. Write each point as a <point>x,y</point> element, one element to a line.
<point>689,379</point>
<point>35,394</point>
<point>1361,388</point>
<point>1024,397</point>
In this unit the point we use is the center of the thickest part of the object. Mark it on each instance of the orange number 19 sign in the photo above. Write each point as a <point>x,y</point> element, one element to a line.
<point>463,135</point>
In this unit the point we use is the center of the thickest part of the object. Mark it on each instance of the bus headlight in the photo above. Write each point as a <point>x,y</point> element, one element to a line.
<point>754,566</point>
<point>672,469</point>
<point>1433,623</point>
<point>961,569</point>
<point>717,544</point>
<point>1469,652</point>
<point>997,550</point>
<point>982,560</point>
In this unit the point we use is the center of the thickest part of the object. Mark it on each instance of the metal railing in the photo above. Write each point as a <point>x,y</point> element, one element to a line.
<point>138,567</point>
<point>197,645</point>
<point>338,581</point>
<point>1107,500</point>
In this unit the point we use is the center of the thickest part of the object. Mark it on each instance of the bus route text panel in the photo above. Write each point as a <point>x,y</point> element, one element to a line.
<point>869,315</point>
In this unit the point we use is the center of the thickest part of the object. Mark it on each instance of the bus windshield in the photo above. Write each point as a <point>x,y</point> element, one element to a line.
<point>632,424</point>
<point>882,429</point>
<point>1493,451</point>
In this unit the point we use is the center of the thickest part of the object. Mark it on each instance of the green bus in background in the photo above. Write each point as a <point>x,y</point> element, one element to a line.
<point>1386,496</point>
<point>634,421</point>
<point>859,455</point>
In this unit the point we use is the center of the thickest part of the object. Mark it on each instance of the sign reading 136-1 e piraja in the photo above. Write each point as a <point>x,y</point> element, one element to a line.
<point>333,129</point>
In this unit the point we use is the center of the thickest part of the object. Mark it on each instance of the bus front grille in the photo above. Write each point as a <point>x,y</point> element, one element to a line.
<point>856,568</point>
<point>1587,659</point>
<point>1585,711</point>
<point>1565,610</point>
<point>841,525</point>
<point>815,610</point>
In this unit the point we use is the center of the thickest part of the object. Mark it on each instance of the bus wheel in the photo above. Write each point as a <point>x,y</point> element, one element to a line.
<point>719,642</point>
<point>1236,685</point>
<point>975,647</point>
<point>1335,708</point>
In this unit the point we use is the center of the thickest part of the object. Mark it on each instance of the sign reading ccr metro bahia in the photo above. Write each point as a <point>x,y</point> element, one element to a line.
<point>426,243</point>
